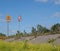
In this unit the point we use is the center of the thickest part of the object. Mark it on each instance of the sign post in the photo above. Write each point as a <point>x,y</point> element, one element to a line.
<point>8,19</point>
<point>19,20</point>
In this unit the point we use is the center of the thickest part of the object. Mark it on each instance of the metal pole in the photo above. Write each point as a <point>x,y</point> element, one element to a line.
<point>19,26</point>
<point>7,28</point>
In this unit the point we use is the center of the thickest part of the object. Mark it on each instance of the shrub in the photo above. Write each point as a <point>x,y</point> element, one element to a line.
<point>26,46</point>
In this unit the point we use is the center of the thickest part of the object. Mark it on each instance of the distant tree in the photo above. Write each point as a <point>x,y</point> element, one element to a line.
<point>39,29</point>
<point>45,30</point>
<point>18,32</point>
<point>55,28</point>
<point>2,34</point>
<point>21,34</point>
<point>25,33</point>
<point>34,32</point>
<point>42,30</point>
<point>18,35</point>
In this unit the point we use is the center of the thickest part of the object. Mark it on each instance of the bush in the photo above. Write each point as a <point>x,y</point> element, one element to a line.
<point>26,46</point>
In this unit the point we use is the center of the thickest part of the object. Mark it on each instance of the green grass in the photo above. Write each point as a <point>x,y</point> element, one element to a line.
<point>26,46</point>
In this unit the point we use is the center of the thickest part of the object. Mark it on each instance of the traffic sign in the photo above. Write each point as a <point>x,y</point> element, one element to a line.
<point>19,18</point>
<point>8,18</point>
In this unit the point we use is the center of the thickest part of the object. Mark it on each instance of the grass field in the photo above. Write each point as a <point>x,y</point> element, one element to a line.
<point>26,46</point>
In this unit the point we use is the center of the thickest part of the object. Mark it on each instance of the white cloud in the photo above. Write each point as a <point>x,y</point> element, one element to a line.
<point>57,2</point>
<point>57,14</point>
<point>42,1</point>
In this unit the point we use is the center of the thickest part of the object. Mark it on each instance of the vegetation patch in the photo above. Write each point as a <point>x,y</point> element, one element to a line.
<point>26,46</point>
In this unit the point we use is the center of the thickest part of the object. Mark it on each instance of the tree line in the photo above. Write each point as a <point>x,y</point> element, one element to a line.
<point>38,31</point>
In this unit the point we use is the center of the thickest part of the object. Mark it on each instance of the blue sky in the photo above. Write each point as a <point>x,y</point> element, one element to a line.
<point>33,12</point>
